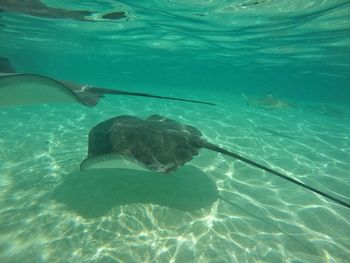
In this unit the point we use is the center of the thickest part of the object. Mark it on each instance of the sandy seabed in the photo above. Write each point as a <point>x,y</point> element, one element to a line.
<point>214,209</point>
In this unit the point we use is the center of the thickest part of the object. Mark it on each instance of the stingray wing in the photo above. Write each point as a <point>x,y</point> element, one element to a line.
<point>26,89</point>
<point>6,66</point>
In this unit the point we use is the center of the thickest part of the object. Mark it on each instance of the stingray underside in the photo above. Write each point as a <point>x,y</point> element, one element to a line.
<point>27,89</point>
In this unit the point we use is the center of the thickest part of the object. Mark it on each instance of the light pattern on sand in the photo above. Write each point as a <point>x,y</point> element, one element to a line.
<point>268,220</point>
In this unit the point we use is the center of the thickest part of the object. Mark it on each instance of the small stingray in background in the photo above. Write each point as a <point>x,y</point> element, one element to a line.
<point>268,102</point>
<point>25,89</point>
<point>39,9</point>
<point>158,144</point>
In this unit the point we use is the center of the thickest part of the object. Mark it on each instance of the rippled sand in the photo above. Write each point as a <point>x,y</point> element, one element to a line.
<point>215,209</point>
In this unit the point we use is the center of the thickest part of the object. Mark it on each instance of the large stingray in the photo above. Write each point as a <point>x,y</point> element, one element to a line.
<point>159,144</point>
<point>25,89</point>
<point>37,8</point>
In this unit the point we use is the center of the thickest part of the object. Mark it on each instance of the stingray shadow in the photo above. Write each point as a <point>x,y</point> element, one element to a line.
<point>94,192</point>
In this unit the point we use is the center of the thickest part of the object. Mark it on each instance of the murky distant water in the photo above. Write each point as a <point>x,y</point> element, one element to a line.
<point>295,51</point>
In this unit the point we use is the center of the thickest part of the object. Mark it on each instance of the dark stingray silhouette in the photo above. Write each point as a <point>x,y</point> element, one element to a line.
<point>158,144</point>
<point>26,89</point>
<point>95,192</point>
<point>39,9</point>
<point>6,66</point>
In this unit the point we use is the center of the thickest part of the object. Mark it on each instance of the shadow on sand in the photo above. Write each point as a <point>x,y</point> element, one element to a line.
<point>95,192</point>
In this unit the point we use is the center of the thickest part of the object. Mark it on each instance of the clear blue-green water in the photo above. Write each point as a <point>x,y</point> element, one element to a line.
<point>207,50</point>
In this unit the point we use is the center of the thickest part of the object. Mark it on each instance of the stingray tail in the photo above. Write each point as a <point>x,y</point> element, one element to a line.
<point>267,169</point>
<point>246,98</point>
<point>120,92</point>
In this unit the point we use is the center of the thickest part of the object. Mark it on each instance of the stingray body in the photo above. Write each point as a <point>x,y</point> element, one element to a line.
<point>159,144</point>
<point>6,66</point>
<point>39,9</point>
<point>17,89</point>
<point>26,89</point>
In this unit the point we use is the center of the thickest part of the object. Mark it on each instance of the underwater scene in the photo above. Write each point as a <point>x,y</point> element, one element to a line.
<point>175,131</point>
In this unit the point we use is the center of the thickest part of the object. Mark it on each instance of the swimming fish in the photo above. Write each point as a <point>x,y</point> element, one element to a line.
<point>269,102</point>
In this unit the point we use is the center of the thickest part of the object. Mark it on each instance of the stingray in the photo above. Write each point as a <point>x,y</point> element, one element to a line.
<point>268,102</point>
<point>6,66</point>
<point>158,144</point>
<point>25,89</point>
<point>39,9</point>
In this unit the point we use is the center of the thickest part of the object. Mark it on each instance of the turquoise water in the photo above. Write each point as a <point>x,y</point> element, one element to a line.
<point>207,50</point>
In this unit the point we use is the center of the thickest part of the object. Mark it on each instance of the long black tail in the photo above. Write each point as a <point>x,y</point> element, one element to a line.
<point>120,92</point>
<point>267,169</point>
